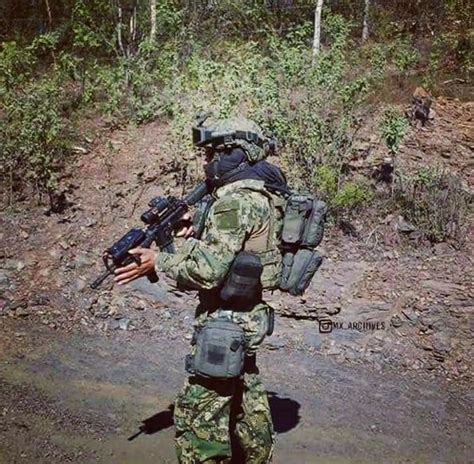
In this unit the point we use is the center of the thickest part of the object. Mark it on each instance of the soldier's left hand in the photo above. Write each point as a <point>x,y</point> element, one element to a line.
<point>124,275</point>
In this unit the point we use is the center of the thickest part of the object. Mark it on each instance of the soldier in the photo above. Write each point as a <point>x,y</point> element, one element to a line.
<point>241,230</point>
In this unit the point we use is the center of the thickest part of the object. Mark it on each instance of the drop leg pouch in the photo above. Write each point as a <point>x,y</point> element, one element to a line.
<point>219,350</point>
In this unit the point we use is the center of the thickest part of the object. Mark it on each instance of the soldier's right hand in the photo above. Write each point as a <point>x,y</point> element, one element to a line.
<point>187,230</point>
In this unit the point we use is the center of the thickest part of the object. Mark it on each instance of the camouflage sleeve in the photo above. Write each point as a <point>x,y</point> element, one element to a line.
<point>203,264</point>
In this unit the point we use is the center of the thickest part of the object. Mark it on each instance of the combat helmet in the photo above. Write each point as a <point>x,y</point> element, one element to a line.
<point>233,132</point>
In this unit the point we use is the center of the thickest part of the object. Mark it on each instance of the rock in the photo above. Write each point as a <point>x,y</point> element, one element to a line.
<point>11,264</point>
<point>80,150</point>
<point>120,324</point>
<point>441,346</point>
<point>39,300</point>
<point>19,304</point>
<point>140,305</point>
<point>275,344</point>
<point>45,272</point>
<point>80,284</point>
<point>404,226</point>
<point>24,234</point>
<point>157,291</point>
<point>4,280</point>
<point>54,253</point>
<point>22,313</point>
<point>442,287</point>
<point>333,351</point>
<point>82,260</point>
<point>361,146</point>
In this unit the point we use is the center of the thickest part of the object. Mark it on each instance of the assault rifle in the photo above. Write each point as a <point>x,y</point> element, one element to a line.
<point>162,219</point>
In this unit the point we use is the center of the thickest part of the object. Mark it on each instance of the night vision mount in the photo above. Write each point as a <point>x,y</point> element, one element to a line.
<point>202,136</point>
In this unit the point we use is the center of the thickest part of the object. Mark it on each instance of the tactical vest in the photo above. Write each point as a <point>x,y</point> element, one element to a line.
<point>263,242</point>
<point>286,242</point>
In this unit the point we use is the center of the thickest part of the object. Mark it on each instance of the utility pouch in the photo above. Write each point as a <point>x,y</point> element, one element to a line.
<point>304,265</point>
<point>298,208</point>
<point>243,287</point>
<point>219,350</point>
<point>314,228</point>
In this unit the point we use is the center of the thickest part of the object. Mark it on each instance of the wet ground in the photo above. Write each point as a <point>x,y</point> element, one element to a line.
<point>79,398</point>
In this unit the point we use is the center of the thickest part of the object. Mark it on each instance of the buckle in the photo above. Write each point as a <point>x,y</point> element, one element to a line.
<point>228,138</point>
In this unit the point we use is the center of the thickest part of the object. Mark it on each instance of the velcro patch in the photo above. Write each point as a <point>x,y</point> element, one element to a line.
<point>226,214</point>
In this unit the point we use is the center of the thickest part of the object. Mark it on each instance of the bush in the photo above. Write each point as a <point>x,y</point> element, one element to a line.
<point>405,56</point>
<point>393,128</point>
<point>435,203</point>
<point>352,194</point>
<point>342,195</point>
<point>33,137</point>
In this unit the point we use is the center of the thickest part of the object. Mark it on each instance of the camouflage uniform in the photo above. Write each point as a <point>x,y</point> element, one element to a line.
<point>243,217</point>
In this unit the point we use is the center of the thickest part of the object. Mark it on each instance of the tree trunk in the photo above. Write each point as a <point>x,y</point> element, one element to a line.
<point>317,29</point>
<point>50,17</point>
<point>153,20</point>
<point>119,29</point>
<point>365,28</point>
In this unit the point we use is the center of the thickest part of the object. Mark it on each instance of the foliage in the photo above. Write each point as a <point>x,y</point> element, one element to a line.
<point>435,202</point>
<point>353,194</point>
<point>341,194</point>
<point>450,50</point>
<point>226,57</point>
<point>393,128</point>
<point>405,56</point>
<point>33,136</point>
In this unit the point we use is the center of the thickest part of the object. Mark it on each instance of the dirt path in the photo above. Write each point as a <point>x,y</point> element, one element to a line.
<point>77,398</point>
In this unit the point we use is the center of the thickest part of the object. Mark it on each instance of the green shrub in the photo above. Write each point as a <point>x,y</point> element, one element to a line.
<point>352,194</point>
<point>405,56</point>
<point>34,139</point>
<point>342,195</point>
<point>393,128</point>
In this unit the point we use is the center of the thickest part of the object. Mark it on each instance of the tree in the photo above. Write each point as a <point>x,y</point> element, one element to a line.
<point>152,20</point>
<point>317,29</point>
<point>365,28</point>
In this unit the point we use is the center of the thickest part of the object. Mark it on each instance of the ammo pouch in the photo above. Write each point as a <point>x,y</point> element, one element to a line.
<point>303,229</point>
<point>303,225</point>
<point>298,270</point>
<point>219,350</point>
<point>242,288</point>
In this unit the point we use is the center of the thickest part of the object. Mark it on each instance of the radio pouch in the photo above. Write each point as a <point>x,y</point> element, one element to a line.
<point>219,350</point>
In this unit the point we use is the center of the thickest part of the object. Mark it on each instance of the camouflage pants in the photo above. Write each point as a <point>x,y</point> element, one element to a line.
<point>209,414</point>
